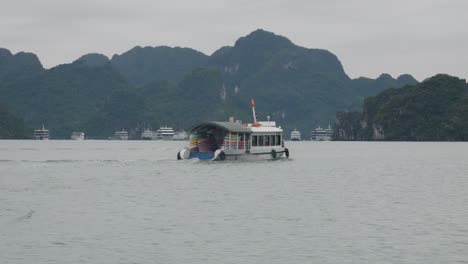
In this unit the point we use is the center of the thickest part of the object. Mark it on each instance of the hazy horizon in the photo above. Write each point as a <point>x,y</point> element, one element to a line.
<point>421,38</point>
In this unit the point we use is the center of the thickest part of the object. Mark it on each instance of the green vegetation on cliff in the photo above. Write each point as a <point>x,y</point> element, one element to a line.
<point>141,66</point>
<point>18,65</point>
<point>195,98</point>
<point>298,87</point>
<point>434,110</point>
<point>11,127</point>
<point>63,97</point>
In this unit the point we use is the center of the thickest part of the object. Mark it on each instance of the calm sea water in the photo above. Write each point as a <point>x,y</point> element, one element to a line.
<point>332,202</point>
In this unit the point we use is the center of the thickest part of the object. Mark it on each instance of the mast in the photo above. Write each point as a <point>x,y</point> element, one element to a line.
<point>253,111</point>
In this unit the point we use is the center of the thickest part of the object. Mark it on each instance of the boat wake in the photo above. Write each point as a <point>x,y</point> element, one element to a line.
<point>26,216</point>
<point>53,161</point>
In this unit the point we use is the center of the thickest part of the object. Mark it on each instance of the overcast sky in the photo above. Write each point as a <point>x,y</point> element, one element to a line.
<point>420,37</point>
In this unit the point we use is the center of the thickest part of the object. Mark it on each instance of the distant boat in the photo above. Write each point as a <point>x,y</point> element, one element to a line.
<point>77,136</point>
<point>182,135</point>
<point>320,134</point>
<point>41,134</point>
<point>295,135</point>
<point>147,135</point>
<point>165,133</point>
<point>121,135</point>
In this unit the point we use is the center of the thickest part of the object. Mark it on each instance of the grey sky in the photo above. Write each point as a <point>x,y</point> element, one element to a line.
<point>420,37</point>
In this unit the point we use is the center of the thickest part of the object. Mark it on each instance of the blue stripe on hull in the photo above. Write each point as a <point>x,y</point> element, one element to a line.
<point>202,155</point>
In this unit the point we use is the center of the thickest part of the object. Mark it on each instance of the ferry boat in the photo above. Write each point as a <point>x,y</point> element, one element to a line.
<point>165,133</point>
<point>41,133</point>
<point>235,141</point>
<point>121,135</point>
<point>77,136</point>
<point>182,135</point>
<point>320,134</point>
<point>295,135</point>
<point>147,134</point>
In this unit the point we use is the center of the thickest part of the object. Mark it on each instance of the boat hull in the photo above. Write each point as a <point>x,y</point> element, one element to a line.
<point>221,155</point>
<point>41,138</point>
<point>255,157</point>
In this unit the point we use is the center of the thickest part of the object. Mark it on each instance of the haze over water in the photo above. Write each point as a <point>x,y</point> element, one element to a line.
<point>332,202</point>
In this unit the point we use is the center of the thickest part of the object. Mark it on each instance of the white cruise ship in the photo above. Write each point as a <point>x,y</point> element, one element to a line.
<point>147,134</point>
<point>182,135</point>
<point>77,136</point>
<point>320,134</point>
<point>41,134</point>
<point>165,133</point>
<point>295,135</point>
<point>121,135</point>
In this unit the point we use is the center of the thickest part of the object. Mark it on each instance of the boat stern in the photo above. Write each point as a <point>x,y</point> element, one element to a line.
<point>186,154</point>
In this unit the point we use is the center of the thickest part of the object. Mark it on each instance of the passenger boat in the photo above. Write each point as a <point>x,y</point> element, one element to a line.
<point>235,141</point>
<point>182,135</point>
<point>320,134</point>
<point>295,135</point>
<point>121,135</point>
<point>165,133</point>
<point>77,136</point>
<point>147,134</point>
<point>41,134</point>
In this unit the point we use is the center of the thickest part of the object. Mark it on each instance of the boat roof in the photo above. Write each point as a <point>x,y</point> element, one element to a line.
<point>235,127</point>
<point>229,126</point>
<point>266,129</point>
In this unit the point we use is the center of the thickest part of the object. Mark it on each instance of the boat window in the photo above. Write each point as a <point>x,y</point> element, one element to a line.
<point>272,140</point>
<point>267,140</point>
<point>254,141</point>
<point>235,141</point>
<point>241,141</point>
<point>260,141</point>
<point>231,140</point>
<point>278,140</point>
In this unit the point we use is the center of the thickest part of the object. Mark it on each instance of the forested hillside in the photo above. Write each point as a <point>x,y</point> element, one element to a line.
<point>12,127</point>
<point>434,110</point>
<point>141,66</point>
<point>153,86</point>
